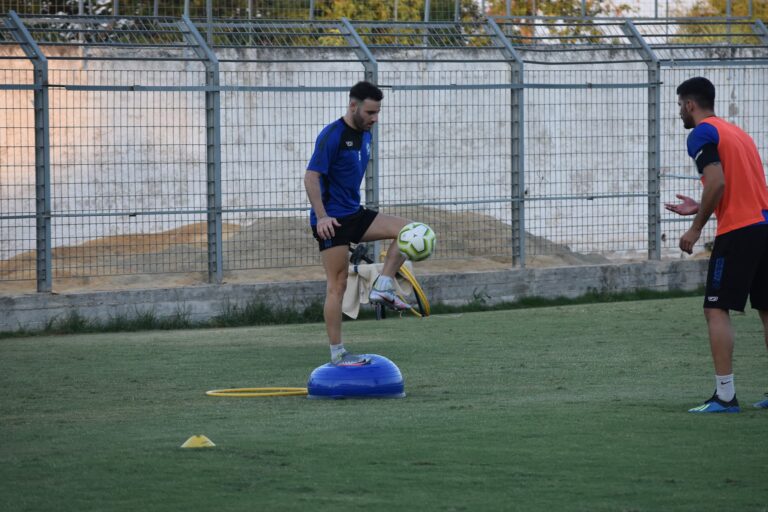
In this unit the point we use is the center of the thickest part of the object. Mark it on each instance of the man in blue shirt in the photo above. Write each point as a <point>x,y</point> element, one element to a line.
<point>332,181</point>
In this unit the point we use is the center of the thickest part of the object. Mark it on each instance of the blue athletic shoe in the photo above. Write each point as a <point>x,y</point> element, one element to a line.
<point>714,404</point>
<point>763,404</point>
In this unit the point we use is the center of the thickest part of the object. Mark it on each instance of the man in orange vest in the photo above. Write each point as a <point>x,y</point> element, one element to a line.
<point>735,191</point>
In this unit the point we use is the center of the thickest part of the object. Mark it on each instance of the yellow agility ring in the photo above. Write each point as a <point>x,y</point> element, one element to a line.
<point>257,392</point>
<point>421,297</point>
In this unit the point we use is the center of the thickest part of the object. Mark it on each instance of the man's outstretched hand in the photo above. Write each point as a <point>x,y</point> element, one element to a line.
<point>689,206</point>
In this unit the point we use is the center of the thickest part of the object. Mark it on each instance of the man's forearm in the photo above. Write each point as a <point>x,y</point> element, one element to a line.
<point>314,194</point>
<point>710,197</point>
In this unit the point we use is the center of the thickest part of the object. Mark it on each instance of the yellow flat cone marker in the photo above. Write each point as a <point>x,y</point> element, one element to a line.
<point>198,442</point>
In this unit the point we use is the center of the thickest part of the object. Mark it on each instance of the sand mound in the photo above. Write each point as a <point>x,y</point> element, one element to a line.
<point>271,249</point>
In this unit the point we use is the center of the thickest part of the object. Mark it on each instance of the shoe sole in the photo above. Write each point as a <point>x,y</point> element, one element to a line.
<point>361,363</point>
<point>390,305</point>
<point>722,411</point>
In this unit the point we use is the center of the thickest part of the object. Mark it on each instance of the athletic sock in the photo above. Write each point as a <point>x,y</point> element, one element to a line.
<point>725,388</point>
<point>337,351</point>
<point>384,283</point>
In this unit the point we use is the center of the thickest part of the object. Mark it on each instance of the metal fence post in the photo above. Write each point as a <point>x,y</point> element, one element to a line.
<point>213,151</point>
<point>517,149</point>
<point>209,21</point>
<point>654,140</point>
<point>762,31</point>
<point>43,258</point>
<point>654,160</point>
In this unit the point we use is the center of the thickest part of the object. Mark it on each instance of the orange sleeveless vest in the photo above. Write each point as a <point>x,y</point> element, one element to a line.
<point>746,193</point>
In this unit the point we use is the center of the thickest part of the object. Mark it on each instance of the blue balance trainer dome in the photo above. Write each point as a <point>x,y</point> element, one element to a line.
<point>380,378</point>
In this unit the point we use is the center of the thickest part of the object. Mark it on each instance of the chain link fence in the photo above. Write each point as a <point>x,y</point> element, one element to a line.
<point>172,146</point>
<point>386,10</point>
<point>390,10</point>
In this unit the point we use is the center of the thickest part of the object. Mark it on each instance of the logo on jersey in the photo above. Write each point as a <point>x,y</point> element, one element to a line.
<point>350,143</point>
<point>713,298</point>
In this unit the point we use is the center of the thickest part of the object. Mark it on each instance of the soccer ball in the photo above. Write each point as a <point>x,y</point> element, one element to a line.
<point>416,241</point>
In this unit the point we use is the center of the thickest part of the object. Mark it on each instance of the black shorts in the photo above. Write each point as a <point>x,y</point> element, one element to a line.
<point>738,268</point>
<point>352,229</point>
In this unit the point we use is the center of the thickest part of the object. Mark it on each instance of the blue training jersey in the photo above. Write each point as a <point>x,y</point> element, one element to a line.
<point>341,156</point>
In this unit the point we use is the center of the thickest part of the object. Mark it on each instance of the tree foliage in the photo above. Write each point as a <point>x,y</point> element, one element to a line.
<point>397,10</point>
<point>560,8</point>
<point>704,8</point>
<point>712,34</point>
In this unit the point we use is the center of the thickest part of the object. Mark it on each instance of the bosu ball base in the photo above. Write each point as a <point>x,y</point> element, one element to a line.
<point>381,378</point>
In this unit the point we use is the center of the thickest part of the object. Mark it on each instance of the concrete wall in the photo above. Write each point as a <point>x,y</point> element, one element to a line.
<point>200,303</point>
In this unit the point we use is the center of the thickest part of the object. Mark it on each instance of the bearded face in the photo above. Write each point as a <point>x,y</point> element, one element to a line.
<point>365,114</point>
<point>686,107</point>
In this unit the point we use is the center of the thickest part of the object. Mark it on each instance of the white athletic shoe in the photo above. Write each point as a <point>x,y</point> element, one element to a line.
<point>389,299</point>
<point>348,359</point>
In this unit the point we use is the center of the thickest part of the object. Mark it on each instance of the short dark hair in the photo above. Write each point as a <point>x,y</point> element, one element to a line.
<point>362,91</point>
<point>700,90</point>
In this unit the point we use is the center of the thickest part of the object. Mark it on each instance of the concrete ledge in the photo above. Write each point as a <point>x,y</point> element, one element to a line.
<point>200,303</point>
<point>570,282</point>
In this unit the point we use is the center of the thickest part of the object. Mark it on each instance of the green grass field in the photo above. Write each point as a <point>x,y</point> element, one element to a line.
<point>578,407</point>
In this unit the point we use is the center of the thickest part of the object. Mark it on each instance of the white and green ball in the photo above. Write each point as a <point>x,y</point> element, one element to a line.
<point>416,241</point>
